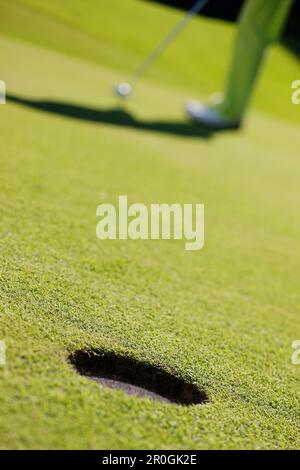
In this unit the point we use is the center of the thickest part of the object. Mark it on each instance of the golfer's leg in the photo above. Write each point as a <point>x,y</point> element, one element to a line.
<point>260,23</point>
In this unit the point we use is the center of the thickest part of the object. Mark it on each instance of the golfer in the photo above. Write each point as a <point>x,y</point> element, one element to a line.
<point>260,24</point>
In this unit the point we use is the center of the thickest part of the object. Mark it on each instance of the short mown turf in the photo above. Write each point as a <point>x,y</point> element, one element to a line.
<point>224,317</point>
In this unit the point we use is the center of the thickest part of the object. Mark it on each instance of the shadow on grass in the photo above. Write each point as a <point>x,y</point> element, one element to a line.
<point>114,116</point>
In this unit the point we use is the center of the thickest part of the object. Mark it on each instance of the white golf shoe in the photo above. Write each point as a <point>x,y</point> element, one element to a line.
<point>208,116</point>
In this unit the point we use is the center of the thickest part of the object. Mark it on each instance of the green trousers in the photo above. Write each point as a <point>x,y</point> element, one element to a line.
<point>260,23</point>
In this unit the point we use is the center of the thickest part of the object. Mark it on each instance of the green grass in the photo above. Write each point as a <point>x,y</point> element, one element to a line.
<point>224,317</point>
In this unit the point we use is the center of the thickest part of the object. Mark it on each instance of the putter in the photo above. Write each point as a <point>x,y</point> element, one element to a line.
<point>124,89</point>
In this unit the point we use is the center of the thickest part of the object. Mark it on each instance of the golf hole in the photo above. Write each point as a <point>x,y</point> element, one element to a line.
<point>136,378</point>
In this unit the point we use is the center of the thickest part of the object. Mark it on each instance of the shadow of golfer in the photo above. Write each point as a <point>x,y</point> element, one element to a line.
<point>117,117</point>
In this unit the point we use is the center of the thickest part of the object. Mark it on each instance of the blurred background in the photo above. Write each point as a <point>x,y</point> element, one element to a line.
<point>230,9</point>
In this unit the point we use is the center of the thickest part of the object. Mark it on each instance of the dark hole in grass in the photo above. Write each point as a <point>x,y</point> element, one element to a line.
<point>136,378</point>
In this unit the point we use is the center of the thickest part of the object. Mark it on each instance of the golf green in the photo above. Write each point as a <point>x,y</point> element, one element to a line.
<point>224,317</point>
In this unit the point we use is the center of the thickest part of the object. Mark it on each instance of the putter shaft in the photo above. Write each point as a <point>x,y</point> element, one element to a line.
<point>142,68</point>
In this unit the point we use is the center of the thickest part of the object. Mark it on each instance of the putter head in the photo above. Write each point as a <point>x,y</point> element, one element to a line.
<point>123,90</point>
